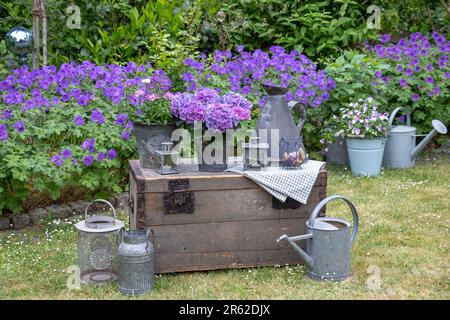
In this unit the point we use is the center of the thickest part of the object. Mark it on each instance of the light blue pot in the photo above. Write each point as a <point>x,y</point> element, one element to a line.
<point>365,156</point>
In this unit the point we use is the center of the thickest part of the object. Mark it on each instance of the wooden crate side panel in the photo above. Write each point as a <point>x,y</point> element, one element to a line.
<point>172,262</point>
<point>226,236</point>
<point>229,205</point>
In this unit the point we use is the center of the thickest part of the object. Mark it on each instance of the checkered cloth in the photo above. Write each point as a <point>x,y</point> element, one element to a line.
<point>283,183</point>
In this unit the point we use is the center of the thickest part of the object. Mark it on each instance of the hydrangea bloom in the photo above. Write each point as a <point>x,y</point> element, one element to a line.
<point>218,113</point>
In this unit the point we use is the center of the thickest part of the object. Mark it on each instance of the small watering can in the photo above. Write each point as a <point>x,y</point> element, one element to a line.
<point>328,243</point>
<point>401,150</point>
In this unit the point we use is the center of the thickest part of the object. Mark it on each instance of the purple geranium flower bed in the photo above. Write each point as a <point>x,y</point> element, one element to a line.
<point>246,72</point>
<point>72,126</point>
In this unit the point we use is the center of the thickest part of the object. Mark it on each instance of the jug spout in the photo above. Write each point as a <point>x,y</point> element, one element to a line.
<point>438,127</point>
<point>306,257</point>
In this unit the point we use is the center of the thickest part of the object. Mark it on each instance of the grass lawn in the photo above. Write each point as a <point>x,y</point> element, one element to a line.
<point>404,237</point>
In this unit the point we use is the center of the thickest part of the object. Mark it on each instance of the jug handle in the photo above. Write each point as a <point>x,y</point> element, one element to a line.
<point>300,109</point>
<point>319,206</point>
<point>153,237</point>
<point>394,113</point>
<point>101,200</point>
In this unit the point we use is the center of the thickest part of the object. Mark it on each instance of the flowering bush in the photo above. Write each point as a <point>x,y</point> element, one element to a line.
<point>361,119</point>
<point>246,72</point>
<point>72,126</point>
<point>218,113</point>
<point>418,77</point>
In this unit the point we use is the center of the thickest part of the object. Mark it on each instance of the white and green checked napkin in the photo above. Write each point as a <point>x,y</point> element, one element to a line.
<point>283,183</point>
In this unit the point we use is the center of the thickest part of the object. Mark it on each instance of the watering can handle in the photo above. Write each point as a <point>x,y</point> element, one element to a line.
<point>394,113</point>
<point>319,206</point>
<point>101,200</point>
<point>301,112</point>
<point>148,234</point>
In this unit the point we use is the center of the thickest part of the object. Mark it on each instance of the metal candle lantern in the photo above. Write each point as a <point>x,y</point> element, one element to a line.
<point>20,41</point>
<point>136,262</point>
<point>255,154</point>
<point>97,246</point>
<point>165,158</point>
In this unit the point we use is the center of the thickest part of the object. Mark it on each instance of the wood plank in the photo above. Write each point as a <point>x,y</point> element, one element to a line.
<point>220,206</point>
<point>225,236</point>
<point>172,262</point>
<point>155,182</point>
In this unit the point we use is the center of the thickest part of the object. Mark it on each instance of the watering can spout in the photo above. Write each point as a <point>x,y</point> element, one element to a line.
<point>306,257</point>
<point>438,127</point>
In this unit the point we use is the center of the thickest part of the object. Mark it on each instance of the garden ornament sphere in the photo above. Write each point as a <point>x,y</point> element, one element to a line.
<point>20,41</point>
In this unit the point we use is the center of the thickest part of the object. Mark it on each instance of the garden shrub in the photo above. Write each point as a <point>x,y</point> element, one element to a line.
<point>163,32</point>
<point>70,127</point>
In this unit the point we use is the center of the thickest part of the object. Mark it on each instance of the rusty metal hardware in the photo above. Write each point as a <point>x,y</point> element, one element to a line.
<point>178,199</point>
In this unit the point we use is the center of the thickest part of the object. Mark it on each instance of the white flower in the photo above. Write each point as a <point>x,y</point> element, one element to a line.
<point>146,80</point>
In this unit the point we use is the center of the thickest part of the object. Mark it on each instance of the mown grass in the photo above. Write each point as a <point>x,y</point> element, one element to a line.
<point>404,235</point>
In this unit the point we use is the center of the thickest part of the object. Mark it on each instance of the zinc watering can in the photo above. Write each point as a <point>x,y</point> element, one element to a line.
<point>328,243</point>
<point>277,123</point>
<point>401,150</point>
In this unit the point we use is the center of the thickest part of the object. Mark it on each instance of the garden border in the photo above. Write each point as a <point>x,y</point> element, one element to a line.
<point>60,211</point>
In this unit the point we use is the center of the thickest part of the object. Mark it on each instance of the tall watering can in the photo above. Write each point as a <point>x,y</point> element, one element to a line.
<point>401,150</point>
<point>328,243</point>
<point>277,127</point>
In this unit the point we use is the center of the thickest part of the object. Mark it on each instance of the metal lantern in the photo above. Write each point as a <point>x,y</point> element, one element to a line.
<point>136,262</point>
<point>165,158</point>
<point>20,41</point>
<point>255,154</point>
<point>97,246</point>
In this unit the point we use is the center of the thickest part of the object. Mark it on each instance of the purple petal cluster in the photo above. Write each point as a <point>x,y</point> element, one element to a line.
<point>217,112</point>
<point>246,72</point>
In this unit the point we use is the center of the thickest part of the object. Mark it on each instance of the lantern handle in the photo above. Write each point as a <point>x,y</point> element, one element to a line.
<point>101,200</point>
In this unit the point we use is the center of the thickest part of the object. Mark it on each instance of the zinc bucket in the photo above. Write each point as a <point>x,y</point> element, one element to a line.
<point>148,138</point>
<point>365,156</point>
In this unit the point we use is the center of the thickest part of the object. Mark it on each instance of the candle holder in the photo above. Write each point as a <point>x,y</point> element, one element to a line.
<point>255,154</point>
<point>165,158</point>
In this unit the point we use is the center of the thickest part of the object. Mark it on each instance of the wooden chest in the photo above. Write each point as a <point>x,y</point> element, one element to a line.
<point>207,221</point>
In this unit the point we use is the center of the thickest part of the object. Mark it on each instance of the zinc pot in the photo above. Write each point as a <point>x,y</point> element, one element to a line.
<point>365,155</point>
<point>148,137</point>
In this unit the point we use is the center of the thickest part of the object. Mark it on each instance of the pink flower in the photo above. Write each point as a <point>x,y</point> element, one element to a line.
<point>139,93</point>
<point>152,97</point>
